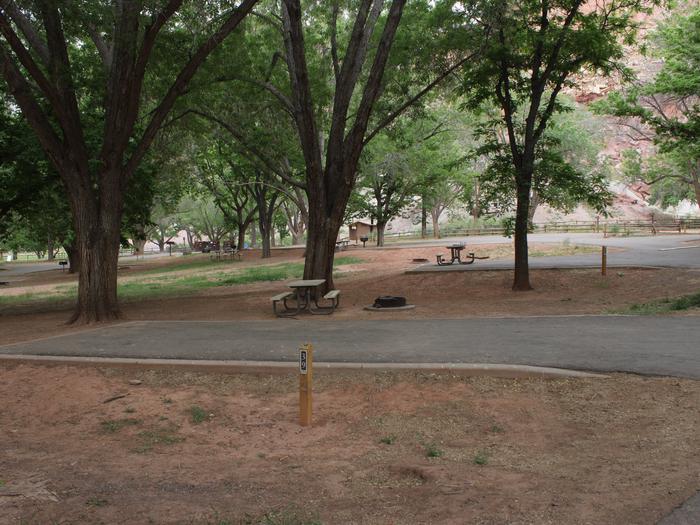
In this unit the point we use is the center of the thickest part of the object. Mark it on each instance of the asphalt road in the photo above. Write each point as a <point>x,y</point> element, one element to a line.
<point>645,345</point>
<point>660,251</point>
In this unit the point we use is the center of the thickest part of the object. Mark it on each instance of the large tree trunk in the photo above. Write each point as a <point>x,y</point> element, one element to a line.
<point>73,259</point>
<point>242,227</point>
<point>381,226</point>
<point>265,234</point>
<point>320,245</point>
<point>423,220</point>
<point>98,235</point>
<point>521,279</point>
<point>139,245</point>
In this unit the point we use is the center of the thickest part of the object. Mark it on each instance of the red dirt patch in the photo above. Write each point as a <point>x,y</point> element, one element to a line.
<point>618,450</point>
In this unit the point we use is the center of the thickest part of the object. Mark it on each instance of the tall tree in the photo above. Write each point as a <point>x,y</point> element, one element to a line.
<point>534,49</point>
<point>355,113</point>
<point>666,110</point>
<point>47,52</point>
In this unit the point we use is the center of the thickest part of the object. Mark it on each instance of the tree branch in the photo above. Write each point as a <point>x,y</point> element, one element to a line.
<point>415,98</point>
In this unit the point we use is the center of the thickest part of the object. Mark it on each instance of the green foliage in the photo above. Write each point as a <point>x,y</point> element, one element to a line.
<point>198,415</point>
<point>668,107</point>
<point>112,426</point>
<point>481,458</point>
<point>566,169</point>
<point>685,302</point>
<point>432,451</point>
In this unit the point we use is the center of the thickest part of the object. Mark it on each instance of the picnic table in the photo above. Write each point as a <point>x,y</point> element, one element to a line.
<point>341,244</point>
<point>222,254</point>
<point>456,256</point>
<point>306,295</point>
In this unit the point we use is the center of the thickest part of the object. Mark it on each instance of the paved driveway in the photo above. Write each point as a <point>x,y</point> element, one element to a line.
<point>645,345</point>
<point>670,251</point>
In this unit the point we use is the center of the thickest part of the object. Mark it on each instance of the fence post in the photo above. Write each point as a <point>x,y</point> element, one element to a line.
<point>604,261</point>
<point>306,366</point>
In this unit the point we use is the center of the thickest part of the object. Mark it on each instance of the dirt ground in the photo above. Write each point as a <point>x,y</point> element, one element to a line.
<point>385,448</point>
<point>382,272</point>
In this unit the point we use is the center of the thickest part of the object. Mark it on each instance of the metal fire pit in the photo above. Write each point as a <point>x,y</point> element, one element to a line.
<point>389,303</point>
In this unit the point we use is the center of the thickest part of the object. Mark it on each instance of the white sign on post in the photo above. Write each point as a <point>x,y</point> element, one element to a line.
<point>303,362</point>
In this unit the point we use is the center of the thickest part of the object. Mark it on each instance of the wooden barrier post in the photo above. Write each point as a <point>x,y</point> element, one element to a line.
<point>306,368</point>
<point>604,263</point>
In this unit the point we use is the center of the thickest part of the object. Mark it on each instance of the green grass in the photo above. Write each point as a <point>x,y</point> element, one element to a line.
<point>174,285</point>
<point>432,451</point>
<point>159,436</point>
<point>388,440</point>
<point>201,262</point>
<point>96,502</point>
<point>198,415</point>
<point>481,458</point>
<point>113,426</point>
<point>684,302</point>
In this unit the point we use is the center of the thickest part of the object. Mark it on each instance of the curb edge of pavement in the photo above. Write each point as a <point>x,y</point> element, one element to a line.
<point>468,369</point>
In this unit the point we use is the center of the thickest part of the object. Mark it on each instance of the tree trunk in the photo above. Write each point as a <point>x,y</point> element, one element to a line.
<point>380,233</point>
<point>97,237</point>
<point>50,248</point>
<point>190,241</point>
<point>73,259</point>
<point>253,235</point>
<point>476,209</point>
<point>435,215</point>
<point>139,245</point>
<point>521,280</point>
<point>320,245</point>
<point>242,227</point>
<point>423,220</point>
<point>161,245</point>
<point>265,233</point>
<point>534,202</point>
<point>696,183</point>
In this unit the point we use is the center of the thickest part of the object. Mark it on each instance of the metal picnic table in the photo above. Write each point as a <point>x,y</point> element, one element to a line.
<point>456,255</point>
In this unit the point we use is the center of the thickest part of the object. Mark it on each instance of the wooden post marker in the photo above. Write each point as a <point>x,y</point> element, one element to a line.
<point>306,368</point>
<point>604,263</point>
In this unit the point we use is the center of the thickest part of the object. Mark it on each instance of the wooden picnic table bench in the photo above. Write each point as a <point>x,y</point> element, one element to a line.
<point>305,296</point>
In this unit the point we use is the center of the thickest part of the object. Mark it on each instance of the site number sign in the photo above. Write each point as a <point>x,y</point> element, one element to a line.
<point>303,361</point>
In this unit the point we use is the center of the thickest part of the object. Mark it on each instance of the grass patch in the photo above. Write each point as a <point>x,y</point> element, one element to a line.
<point>201,262</point>
<point>163,286</point>
<point>96,502</point>
<point>112,426</point>
<point>159,436</point>
<point>198,415</point>
<point>685,302</point>
<point>481,458</point>
<point>432,451</point>
<point>388,440</point>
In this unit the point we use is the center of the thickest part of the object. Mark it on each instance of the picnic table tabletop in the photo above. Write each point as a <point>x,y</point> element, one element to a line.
<point>306,283</point>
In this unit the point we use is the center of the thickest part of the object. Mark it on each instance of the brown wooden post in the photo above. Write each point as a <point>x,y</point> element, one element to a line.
<point>306,367</point>
<point>604,264</point>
